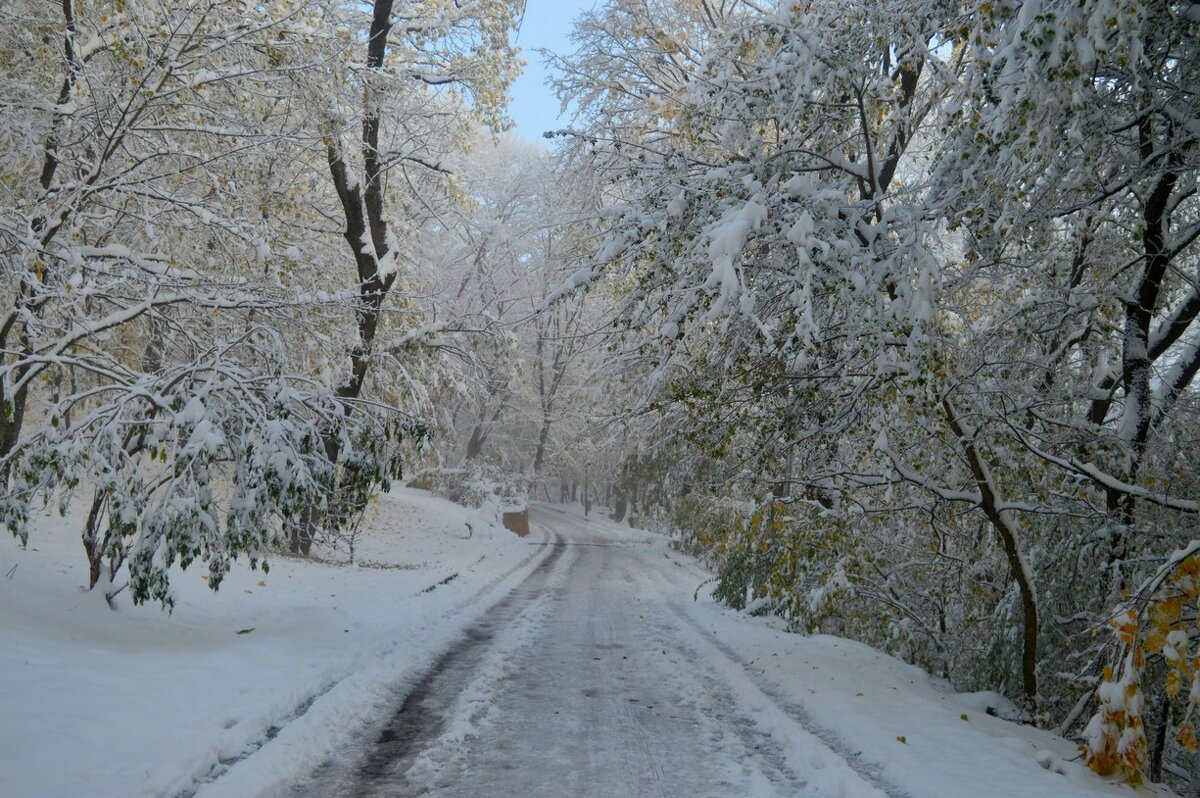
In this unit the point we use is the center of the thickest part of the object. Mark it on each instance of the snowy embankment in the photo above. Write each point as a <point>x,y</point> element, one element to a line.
<point>825,699</point>
<point>240,691</point>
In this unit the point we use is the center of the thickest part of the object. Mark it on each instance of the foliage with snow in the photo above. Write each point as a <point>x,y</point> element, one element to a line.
<point>917,285</point>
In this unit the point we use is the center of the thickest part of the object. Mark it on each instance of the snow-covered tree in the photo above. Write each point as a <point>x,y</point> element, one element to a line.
<point>519,228</point>
<point>385,141</point>
<point>918,281</point>
<point>1076,175</point>
<point>171,310</point>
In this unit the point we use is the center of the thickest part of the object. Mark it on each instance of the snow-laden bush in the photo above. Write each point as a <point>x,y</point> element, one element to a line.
<point>208,462</point>
<point>479,485</point>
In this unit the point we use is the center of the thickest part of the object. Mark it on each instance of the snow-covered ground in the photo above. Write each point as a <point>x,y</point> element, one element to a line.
<point>580,668</point>
<point>136,702</point>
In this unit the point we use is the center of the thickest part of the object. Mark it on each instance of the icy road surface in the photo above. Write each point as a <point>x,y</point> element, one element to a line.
<point>585,681</point>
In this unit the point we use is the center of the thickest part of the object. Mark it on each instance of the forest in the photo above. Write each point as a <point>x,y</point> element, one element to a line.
<point>885,309</point>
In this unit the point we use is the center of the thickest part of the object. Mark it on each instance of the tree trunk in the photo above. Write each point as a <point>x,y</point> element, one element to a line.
<point>12,408</point>
<point>1007,530</point>
<point>1159,745</point>
<point>539,457</point>
<point>619,506</point>
<point>307,529</point>
<point>483,428</point>
<point>95,545</point>
<point>366,234</point>
<point>92,545</point>
<point>12,417</point>
<point>476,441</point>
<point>1139,353</point>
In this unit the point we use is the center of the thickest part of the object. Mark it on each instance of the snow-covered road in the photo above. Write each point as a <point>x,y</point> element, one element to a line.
<point>587,680</point>
<point>455,659</point>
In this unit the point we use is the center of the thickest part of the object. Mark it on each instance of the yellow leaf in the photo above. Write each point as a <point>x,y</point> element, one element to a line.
<point>1187,737</point>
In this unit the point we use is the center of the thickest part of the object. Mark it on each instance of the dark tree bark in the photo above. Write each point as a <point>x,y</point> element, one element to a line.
<point>1144,341</point>
<point>1159,745</point>
<point>476,441</point>
<point>619,506</point>
<point>481,431</point>
<point>366,234</point>
<point>550,374</point>
<point>1006,529</point>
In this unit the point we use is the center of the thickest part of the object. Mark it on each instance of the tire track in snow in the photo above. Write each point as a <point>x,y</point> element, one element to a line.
<point>870,772</point>
<point>420,722</point>
<point>785,707</point>
<point>255,743</point>
<point>727,723</point>
<point>224,763</point>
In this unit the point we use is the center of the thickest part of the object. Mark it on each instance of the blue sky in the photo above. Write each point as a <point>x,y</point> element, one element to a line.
<point>547,24</point>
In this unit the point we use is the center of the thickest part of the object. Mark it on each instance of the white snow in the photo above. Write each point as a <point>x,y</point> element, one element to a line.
<point>136,702</point>
<point>726,239</point>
